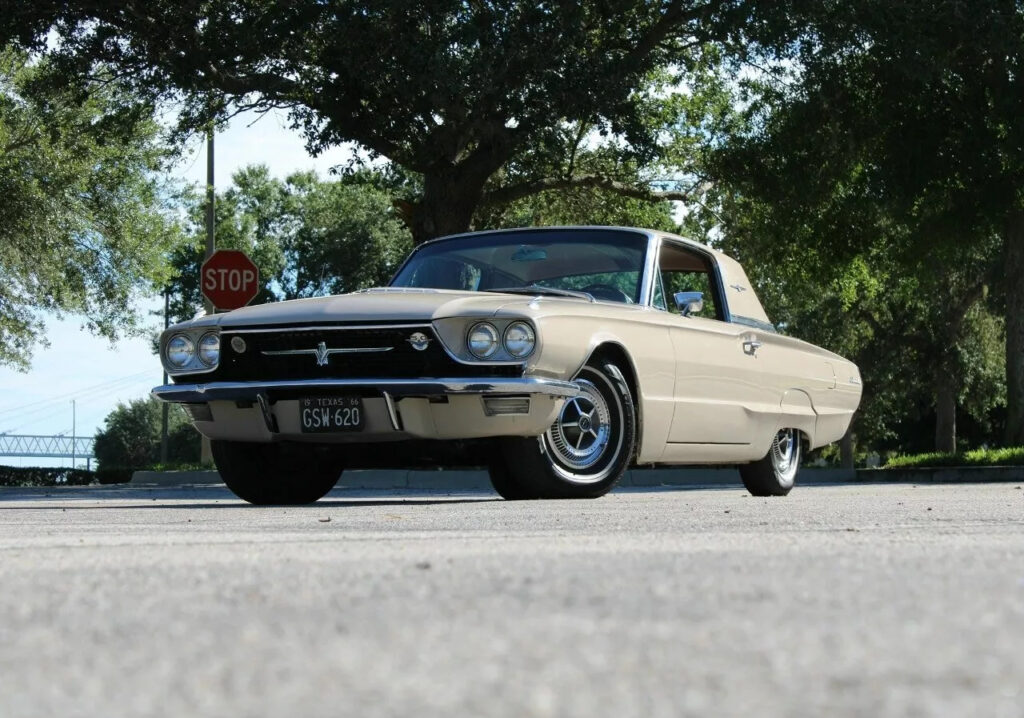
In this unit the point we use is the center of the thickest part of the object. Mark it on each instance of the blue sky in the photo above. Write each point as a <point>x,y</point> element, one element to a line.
<point>97,375</point>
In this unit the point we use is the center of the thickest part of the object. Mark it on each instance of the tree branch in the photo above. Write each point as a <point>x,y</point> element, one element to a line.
<point>674,16</point>
<point>511,193</point>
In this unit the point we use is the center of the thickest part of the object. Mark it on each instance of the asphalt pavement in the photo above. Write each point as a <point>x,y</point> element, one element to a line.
<point>851,600</point>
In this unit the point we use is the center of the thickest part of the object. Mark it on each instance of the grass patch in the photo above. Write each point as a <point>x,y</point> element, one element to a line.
<point>1012,456</point>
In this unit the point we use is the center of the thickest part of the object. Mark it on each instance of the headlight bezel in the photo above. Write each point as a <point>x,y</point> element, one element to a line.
<point>455,334</point>
<point>186,342</point>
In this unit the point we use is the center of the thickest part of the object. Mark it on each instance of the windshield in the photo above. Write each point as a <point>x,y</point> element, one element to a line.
<point>606,264</point>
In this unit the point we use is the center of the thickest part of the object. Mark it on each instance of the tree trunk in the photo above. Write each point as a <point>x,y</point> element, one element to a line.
<point>846,449</point>
<point>452,191</point>
<point>1013,254</point>
<point>447,207</point>
<point>945,413</point>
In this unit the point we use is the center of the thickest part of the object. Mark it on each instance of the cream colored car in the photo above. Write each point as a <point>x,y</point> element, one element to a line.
<point>557,357</point>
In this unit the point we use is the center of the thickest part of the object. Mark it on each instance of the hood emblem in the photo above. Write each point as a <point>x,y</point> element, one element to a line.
<point>419,341</point>
<point>323,353</point>
<point>738,287</point>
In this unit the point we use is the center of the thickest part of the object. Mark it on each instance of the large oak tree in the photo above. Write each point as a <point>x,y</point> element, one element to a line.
<point>451,90</point>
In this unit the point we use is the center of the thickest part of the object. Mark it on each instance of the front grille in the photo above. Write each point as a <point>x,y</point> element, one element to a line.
<point>402,361</point>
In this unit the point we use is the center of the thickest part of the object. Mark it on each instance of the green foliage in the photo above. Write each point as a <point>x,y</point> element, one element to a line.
<point>308,236</point>
<point>81,223</point>
<point>345,236</point>
<point>40,476</point>
<point>130,438</point>
<point>857,185</point>
<point>902,117</point>
<point>450,91</point>
<point>1009,456</point>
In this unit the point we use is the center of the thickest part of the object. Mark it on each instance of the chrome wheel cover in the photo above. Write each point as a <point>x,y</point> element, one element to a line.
<point>785,455</point>
<point>582,436</point>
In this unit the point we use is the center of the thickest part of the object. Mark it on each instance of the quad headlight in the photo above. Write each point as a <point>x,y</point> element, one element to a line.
<point>519,340</point>
<point>189,351</point>
<point>209,349</point>
<point>483,340</point>
<point>501,340</point>
<point>180,351</point>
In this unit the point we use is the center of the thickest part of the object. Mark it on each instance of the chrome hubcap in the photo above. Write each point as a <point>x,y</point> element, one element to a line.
<point>784,453</point>
<point>582,431</point>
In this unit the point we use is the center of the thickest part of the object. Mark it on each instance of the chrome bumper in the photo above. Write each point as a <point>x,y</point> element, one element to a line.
<point>397,388</point>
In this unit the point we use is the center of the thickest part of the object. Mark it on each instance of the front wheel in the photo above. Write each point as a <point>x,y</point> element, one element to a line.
<point>583,454</point>
<point>775,473</point>
<point>277,474</point>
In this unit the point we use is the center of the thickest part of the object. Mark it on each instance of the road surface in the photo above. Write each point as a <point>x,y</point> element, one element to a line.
<point>853,600</point>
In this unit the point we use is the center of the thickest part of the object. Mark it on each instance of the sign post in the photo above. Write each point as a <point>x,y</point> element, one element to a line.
<point>229,279</point>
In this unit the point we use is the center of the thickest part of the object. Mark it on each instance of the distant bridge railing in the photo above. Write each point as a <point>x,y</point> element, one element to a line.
<point>49,447</point>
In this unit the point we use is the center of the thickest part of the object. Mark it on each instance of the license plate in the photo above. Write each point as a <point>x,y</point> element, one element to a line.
<point>331,413</point>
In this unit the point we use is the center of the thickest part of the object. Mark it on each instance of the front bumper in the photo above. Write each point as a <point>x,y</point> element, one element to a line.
<point>396,409</point>
<point>396,388</point>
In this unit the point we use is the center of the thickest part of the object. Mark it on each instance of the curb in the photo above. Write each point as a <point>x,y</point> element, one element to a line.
<point>942,475</point>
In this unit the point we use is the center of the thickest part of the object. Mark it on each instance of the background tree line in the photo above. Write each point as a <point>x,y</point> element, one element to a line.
<point>862,159</point>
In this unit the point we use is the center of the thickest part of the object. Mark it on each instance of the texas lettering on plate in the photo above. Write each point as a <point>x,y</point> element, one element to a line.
<point>331,413</point>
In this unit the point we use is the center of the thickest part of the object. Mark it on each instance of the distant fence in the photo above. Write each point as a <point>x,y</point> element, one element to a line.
<point>48,447</point>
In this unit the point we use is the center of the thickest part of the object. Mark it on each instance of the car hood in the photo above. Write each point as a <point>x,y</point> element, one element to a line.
<point>385,304</point>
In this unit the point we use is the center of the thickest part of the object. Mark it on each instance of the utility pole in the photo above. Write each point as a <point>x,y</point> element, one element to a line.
<point>206,456</point>
<point>211,218</point>
<point>166,407</point>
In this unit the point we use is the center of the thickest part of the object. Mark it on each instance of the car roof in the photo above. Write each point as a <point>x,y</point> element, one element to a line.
<point>741,298</point>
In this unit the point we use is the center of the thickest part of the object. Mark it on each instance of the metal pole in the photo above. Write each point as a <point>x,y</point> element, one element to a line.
<point>166,406</point>
<point>206,455</point>
<point>211,217</point>
<point>73,434</point>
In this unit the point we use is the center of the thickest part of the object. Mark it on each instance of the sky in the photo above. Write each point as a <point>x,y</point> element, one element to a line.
<point>81,368</point>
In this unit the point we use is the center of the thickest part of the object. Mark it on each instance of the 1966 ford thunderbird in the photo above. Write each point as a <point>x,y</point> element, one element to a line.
<point>557,357</point>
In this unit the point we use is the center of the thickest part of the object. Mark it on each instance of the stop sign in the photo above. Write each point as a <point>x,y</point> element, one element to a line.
<point>229,279</point>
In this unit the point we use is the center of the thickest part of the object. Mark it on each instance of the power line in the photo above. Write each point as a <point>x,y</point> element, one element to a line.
<point>95,388</point>
<point>51,408</point>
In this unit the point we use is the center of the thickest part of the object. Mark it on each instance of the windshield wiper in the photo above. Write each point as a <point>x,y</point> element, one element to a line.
<point>538,289</point>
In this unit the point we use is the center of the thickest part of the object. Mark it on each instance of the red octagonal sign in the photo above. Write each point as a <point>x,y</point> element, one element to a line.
<point>229,279</point>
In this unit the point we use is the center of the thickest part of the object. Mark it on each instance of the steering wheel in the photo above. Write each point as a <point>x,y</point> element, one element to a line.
<point>607,292</point>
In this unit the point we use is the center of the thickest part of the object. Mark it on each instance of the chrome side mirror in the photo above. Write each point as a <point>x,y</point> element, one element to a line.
<point>689,302</point>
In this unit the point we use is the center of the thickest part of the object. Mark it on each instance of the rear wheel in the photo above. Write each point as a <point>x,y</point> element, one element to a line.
<point>775,474</point>
<point>279,473</point>
<point>583,454</point>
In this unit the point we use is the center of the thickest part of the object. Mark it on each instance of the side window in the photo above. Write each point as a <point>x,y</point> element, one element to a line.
<point>683,270</point>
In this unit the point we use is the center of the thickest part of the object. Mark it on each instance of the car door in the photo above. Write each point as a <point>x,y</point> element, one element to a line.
<point>722,404</point>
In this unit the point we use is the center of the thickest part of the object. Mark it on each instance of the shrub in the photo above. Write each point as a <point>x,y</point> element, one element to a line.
<point>130,439</point>
<point>1012,456</point>
<point>45,476</point>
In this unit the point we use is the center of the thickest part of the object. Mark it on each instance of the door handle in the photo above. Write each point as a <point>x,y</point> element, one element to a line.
<point>750,347</point>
